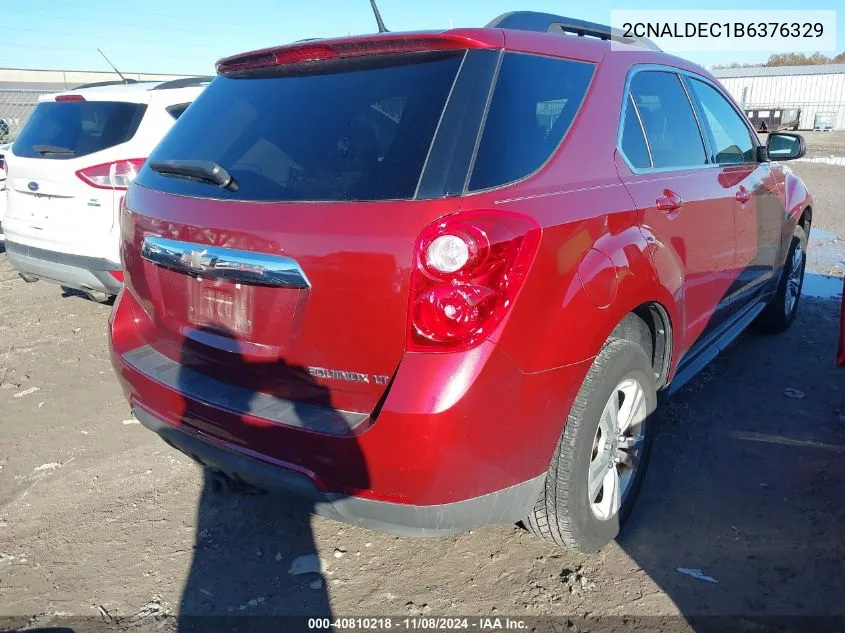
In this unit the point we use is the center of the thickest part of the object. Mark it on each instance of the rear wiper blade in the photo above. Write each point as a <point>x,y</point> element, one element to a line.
<point>52,149</point>
<point>202,170</point>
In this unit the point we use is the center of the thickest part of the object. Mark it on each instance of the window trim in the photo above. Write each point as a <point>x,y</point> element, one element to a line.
<point>483,123</point>
<point>426,161</point>
<point>630,99</point>
<point>467,192</point>
<point>680,73</point>
<point>755,141</point>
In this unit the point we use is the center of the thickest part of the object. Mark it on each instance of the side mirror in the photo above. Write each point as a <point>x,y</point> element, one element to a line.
<point>785,146</point>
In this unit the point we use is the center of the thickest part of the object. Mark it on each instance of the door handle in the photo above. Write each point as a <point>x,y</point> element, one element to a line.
<point>743,195</point>
<point>669,201</point>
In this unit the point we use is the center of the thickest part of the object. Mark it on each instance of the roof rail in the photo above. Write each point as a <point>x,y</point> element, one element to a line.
<point>185,82</point>
<point>549,23</point>
<point>100,84</point>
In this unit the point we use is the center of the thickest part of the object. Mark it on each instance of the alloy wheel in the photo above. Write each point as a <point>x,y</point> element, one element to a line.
<point>794,279</point>
<point>617,449</point>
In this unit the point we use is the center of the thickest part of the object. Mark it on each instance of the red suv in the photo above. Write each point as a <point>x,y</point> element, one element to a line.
<point>437,280</point>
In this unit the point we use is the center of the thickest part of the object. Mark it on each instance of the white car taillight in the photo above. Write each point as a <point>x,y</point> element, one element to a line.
<point>116,175</point>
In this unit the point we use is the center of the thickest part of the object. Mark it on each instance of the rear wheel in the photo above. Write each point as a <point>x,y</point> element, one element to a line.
<point>781,311</point>
<point>601,457</point>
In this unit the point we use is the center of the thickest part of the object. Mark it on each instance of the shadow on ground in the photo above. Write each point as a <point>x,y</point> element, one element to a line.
<point>240,528</point>
<point>746,485</point>
<point>747,478</point>
<point>73,293</point>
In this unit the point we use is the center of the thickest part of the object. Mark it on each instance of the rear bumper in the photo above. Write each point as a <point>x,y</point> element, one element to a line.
<point>504,506</point>
<point>73,271</point>
<point>460,440</point>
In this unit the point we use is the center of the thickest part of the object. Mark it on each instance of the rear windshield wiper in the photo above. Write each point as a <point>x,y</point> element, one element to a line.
<point>52,149</point>
<point>201,170</point>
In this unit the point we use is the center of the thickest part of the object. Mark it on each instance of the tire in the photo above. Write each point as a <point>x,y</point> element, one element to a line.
<point>780,313</point>
<point>564,514</point>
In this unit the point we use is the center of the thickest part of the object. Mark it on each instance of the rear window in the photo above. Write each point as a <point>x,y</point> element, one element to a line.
<point>670,125</point>
<point>70,129</point>
<point>357,129</point>
<point>532,107</point>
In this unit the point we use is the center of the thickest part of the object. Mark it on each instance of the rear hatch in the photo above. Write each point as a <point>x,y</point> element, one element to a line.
<point>61,173</point>
<point>288,271</point>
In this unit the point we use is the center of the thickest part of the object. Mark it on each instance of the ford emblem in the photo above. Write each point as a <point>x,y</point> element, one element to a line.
<point>33,186</point>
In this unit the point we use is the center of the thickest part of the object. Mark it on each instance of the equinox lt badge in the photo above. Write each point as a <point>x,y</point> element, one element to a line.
<point>348,376</point>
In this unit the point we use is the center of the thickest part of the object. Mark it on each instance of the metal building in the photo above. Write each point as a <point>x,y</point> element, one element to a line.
<point>791,97</point>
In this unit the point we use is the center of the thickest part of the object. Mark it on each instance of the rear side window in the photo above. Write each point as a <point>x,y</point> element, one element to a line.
<point>356,129</point>
<point>70,129</point>
<point>633,141</point>
<point>533,105</point>
<point>669,122</point>
<point>731,138</point>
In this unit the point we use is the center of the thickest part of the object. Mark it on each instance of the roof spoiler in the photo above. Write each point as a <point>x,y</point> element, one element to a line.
<point>331,49</point>
<point>550,23</point>
<point>100,84</point>
<point>185,82</point>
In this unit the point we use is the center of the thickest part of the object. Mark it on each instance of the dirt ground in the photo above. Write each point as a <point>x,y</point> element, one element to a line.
<point>101,520</point>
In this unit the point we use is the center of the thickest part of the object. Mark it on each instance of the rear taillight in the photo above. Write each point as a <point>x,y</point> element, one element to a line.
<point>2,163</point>
<point>468,269</point>
<point>315,51</point>
<point>117,274</point>
<point>116,175</point>
<point>70,98</point>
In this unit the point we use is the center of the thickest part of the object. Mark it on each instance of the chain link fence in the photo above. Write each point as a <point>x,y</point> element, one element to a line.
<point>15,108</point>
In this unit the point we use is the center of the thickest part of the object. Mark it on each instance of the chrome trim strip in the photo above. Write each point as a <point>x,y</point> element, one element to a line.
<point>642,130</point>
<point>236,266</point>
<point>705,135</point>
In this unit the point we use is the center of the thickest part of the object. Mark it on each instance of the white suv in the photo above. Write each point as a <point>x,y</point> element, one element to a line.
<point>3,150</point>
<point>67,172</point>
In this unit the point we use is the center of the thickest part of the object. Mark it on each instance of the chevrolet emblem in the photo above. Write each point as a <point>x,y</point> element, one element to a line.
<point>198,260</point>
